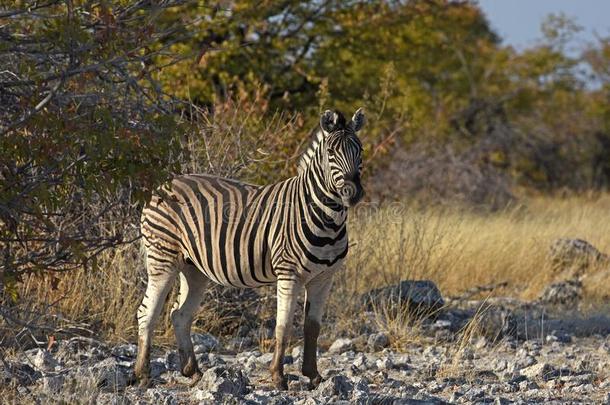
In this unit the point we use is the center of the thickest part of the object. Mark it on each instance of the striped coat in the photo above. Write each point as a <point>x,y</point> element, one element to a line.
<point>241,235</point>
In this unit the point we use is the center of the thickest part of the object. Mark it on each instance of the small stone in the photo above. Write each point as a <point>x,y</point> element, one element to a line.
<point>541,370</point>
<point>265,359</point>
<point>378,341</point>
<point>43,360</point>
<point>204,342</point>
<point>221,381</point>
<point>337,385</point>
<point>480,343</point>
<point>441,324</point>
<point>128,350</point>
<point>341,345</point>
<point>157,367</point>
<point>109,375</point>
<point>384,363</point>
<point>215,360</point>
<point>527,385</point>
<point>527,361</point>
<point>297,353</point>
<point>360,362</point>
<point>172,361</point>
<point>162,396</point>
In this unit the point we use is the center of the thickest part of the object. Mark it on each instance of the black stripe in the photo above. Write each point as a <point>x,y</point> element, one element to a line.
<point>223,229</point>
<point>206,241</point>
<point>241,221</point>
<point>189,231</point>
<point>256,220</point>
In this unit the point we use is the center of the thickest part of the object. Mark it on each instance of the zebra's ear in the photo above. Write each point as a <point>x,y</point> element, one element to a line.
<point>329,121</point>
<point>358,120</point>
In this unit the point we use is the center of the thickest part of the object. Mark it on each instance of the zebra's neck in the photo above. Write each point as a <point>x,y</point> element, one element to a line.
<point>314,180</point>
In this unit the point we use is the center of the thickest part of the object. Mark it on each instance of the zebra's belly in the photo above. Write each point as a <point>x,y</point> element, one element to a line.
<point>235,268</point>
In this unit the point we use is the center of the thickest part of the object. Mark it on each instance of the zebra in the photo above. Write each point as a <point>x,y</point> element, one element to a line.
<point>293,233</point>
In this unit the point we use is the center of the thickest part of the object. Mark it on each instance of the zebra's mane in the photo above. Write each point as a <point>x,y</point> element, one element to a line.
<point>316,138</point>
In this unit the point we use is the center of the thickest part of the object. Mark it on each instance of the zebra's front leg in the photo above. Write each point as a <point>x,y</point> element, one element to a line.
<point>317,291</point>
<point>288,288</point>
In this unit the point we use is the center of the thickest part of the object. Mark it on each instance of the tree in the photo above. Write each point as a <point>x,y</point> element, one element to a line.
<point>85,131</point>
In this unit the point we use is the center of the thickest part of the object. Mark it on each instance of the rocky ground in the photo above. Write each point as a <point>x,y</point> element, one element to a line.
<point>462,351</point>
<point>558,365</point>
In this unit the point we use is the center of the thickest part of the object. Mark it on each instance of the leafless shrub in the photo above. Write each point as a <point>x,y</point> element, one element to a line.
<point>442,175</point>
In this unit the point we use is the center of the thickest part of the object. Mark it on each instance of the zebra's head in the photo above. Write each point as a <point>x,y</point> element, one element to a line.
<point>344,154</point>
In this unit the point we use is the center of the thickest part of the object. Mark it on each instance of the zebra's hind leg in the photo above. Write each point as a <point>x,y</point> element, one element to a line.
<point>160,279</point>
<point>192,288</point>
<point>288,288</point>
<point>317,291</point>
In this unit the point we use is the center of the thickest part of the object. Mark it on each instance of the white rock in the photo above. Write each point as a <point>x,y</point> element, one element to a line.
<point>540,370</point>
<point>297,353</point>
<point>265,359</point>
<point>480,343</point>
<point>43,360</point>
<point>384,363</point>
<point>341,345</point>
<point>360,361</point>
<point>222,381</point>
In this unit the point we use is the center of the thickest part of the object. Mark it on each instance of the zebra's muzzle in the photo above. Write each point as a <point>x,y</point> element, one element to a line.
<point>351,193</point>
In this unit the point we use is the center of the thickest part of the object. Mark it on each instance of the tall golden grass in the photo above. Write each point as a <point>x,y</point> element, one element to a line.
<point>456,248</point>
<point>459,249</point>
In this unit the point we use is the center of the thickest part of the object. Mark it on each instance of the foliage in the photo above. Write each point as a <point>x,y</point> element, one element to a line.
<point>85,132</point>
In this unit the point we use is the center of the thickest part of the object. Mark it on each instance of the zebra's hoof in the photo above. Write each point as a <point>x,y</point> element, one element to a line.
<point>195,378</point>
<point>280,383</point>
<point>144,382</point>
<point>314,382</point>
<point>190,369</point>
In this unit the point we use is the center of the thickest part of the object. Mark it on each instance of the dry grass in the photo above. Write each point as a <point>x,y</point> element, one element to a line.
<point>457,249</point>
<point>460,249</point>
